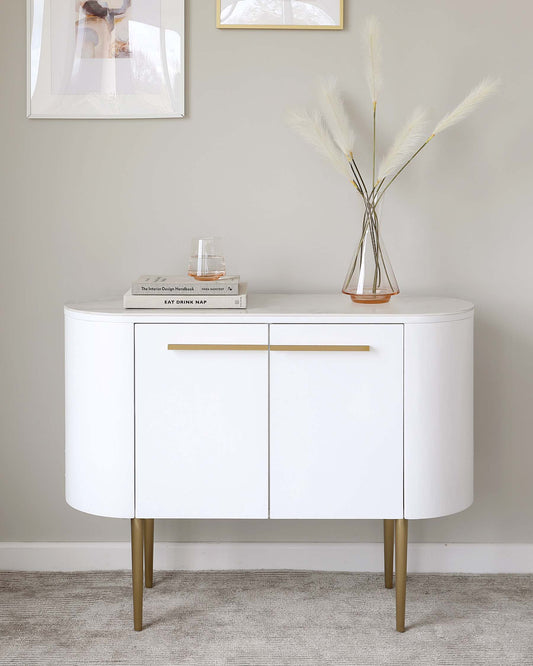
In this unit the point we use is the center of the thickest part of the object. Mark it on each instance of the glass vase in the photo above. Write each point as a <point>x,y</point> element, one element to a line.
<point>370,278</point>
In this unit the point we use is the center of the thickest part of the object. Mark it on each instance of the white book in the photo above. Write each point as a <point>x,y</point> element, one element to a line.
<point>184,284</point>
<point>192,301</point>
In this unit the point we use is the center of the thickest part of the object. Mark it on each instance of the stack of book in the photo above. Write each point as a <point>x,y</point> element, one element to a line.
<point>174,291</point>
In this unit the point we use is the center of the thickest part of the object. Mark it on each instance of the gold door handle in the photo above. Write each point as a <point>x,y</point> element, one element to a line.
<point>333,348</point>
<point>218,347</point>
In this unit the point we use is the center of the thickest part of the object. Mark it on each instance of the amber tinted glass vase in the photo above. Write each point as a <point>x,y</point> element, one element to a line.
<point>370,278</point>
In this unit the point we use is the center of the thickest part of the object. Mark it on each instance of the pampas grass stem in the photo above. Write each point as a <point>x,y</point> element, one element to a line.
<point>391,181</point>
<point>372,38</point>
<point>335,115</point>
<point>475,97</point>
<point>311,127</point>
<point>406,141</point>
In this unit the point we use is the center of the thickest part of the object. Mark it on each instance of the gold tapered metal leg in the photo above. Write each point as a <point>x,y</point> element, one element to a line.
<point>388,547</point>
<point>137,530</point>
<point>149,552</point>
<point>401,572</point>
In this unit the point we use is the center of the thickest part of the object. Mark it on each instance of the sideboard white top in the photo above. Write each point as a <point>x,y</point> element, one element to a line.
<point>285,308</point>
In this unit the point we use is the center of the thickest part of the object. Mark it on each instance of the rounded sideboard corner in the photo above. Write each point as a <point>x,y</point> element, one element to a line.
<point>102,509</point>
<point>99,417</point>
<point>438,418</point>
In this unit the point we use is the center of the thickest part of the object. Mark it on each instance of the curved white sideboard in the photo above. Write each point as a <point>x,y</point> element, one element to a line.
<point>302,406</point>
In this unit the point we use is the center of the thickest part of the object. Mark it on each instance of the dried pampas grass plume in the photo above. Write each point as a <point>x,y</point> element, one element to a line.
<point>405,143</point>
<point>311,127</point>
<point>334,113</point>
<point>475,97</point>
<point>329,131</point>
<point>372,39</point>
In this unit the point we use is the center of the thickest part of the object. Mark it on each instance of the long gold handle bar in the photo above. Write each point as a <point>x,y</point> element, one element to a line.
<point>304,348</point>
<point>218,347</point>
<point>321,348</point>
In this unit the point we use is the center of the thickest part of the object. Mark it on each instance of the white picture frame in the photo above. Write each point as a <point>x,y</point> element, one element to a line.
<point>280,14</point>
<point>105,58</point>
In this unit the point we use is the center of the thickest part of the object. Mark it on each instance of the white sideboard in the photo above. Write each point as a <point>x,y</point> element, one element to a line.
<point>302,406</point>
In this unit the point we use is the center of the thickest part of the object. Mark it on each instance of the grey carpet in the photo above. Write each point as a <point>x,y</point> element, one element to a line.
<point>264,618</point>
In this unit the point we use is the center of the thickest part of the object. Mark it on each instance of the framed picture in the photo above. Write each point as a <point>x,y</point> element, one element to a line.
<point>281,14</point>
<point>105,58</point>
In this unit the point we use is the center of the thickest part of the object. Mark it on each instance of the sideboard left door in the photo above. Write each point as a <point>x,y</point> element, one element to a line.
<point>201,413</point>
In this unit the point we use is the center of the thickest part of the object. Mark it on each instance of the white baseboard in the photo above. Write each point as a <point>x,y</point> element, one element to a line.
<point>423,557</point>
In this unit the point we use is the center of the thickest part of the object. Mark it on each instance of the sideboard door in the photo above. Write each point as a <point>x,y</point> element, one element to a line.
<point>336,421</point>
<point>201,420</point>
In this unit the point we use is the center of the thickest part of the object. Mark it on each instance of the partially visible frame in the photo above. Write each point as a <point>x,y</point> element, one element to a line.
<point>105,58</point>
<point>280,14</point>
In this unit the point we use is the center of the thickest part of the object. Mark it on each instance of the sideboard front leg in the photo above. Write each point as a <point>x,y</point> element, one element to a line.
<point>137,571</point>
<point>401,572</point>
<point>149,552</point>
<point>388,543</point>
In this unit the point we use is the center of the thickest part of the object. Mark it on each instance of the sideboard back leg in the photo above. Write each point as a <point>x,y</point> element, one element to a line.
<point>149,552</point>
<point>401,572</point>
<point>137,571</point>
<point>388,543</point>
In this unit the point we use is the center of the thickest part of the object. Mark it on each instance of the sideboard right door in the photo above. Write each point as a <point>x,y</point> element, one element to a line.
<point>336,421</point>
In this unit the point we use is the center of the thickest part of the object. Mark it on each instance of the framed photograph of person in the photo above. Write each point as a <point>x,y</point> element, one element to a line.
<point>105,58</point>
<point>281,14</point>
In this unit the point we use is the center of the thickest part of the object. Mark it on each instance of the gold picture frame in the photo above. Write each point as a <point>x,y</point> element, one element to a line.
<point>281,26</point>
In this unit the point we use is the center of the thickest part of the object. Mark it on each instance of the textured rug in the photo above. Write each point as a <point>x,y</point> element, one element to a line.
<point>264,618</point>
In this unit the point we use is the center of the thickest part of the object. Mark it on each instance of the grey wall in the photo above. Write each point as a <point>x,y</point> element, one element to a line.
<point>89,205</point>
